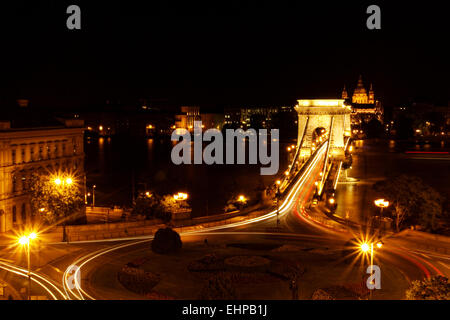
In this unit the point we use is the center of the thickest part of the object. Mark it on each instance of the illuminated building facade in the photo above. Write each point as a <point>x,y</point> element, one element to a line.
<point>252,117</point>
<point>364,105</point>
<point>26,150</point>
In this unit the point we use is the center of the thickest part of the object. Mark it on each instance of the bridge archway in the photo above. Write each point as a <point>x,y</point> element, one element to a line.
<point>330,114</point>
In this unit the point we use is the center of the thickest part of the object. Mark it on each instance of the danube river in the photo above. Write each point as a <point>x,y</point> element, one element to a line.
<point>115,164</point>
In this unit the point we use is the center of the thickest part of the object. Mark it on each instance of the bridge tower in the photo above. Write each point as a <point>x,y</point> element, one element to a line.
<point>331,115</point>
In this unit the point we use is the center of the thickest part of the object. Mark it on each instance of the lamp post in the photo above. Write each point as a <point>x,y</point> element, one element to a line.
<point>85,190</point>
<point>93,196</point>
<point>278,199</point>
<point>180,196</point>
<point>25,241</point>
<point>242,200</point>
<point>381,203</point>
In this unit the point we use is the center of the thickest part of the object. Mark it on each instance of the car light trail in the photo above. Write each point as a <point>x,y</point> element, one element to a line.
<point>80,263</point>
<point>285,206</point>
<point>24,273</point>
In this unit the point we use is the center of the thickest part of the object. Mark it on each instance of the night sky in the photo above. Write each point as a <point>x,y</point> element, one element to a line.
<point>220,53</point>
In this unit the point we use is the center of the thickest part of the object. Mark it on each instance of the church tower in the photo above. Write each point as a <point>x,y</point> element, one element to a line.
<point>344,93</point>
<point>360,93</point>
<point>371,95</point>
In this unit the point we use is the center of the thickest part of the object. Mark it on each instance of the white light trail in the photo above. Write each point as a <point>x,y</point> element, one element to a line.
<point>24,273</point>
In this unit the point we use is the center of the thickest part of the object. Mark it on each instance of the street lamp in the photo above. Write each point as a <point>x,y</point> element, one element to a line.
<point>277,195</point>
<point>93,196</point>
<point>381,203</point>
<point>242,198</point>
<point>180,196</point>
<point>25,241</point>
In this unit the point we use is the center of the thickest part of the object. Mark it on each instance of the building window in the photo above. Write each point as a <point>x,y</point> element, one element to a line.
<point>24,183</point>
<point>23,155</point>
<point>64,149</point>
<point>13,156</point>
<point>14,184</point>
<point>32,153</point>
<point>14,214</point>
<point>41,151</point>
<point>24,213</point>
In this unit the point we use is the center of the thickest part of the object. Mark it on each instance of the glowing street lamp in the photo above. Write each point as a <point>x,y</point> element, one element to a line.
<point>180,196</point>
<point>381,203</point>
<point>242,198</point>
<point>364,247</point>
<point>25,240</point>
<point>61,180</point>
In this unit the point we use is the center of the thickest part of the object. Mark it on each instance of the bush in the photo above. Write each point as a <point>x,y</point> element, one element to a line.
<point>218,287</point>
<point>166,241</point>
<point>137,280</point>
<point>435,288</point>
<point>210,262</point>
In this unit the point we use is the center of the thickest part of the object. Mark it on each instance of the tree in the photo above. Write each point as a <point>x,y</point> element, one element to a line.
<point>166,241</point>
<point>347,163</point>
<point>435,288</point>
<point>169,206</point>
<point>148,205</point>
<point>411,200</point>
<point>55,198</point>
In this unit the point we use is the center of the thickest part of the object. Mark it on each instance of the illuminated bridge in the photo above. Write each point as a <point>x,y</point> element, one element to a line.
<point>321,122</point>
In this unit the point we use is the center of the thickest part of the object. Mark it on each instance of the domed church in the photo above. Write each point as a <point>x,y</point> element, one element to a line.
<point>364,105</point>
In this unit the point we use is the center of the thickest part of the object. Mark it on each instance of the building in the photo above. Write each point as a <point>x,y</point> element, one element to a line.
<point>189,114</point>
<point>186,118</point>
<point>426,118</point>
<point>252,117</point>
<point>27,147</point>
<point>364,105</point>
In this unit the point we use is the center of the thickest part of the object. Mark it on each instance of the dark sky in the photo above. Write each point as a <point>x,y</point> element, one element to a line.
<point>221,52</point>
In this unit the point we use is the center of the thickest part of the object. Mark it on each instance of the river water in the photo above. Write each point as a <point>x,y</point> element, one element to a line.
<point>112,164</point>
